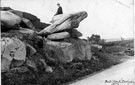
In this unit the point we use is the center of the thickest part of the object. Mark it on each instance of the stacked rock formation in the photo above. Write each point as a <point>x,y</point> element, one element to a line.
<point>18,35</point>
<point>28,41</point>
<point>63,39</point>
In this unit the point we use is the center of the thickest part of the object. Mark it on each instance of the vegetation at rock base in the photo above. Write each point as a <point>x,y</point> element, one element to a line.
<point>65,73</point>
<point>61,74</point>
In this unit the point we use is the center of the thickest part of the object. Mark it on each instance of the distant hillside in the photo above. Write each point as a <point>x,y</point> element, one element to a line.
<point>117,39</point>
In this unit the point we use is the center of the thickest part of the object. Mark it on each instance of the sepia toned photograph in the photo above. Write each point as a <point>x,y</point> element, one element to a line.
<point>67,42</point>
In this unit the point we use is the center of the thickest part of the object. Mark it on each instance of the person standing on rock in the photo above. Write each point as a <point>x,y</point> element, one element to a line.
<point>59,10</point>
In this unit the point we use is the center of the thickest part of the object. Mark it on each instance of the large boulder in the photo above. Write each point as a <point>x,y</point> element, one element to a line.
<point>66,21</point>
<point>82,48</point>
<point>35,20</point>
<point>30,19</point>
<point>18,13</point>
<point>26,35</point>
<point>36,23</point>
<point>28,23</point>
<point>74,33</point>
<point>33,45</point>
<point>58,36</point>
<point>12,48</point>
<point>67,50</point>
<point>9,19</point>
<point>29,16</point>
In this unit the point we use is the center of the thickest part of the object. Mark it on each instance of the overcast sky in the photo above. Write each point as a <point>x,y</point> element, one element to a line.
<point>108,18</point>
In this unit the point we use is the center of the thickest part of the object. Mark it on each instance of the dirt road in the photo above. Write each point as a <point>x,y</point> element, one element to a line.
<point>121,74</point>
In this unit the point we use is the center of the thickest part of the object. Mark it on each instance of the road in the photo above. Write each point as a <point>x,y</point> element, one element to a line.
<point>121,74</point>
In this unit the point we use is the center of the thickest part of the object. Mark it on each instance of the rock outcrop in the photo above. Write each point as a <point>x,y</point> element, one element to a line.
<point>9,20</point>
<point>12,48</point>
<point>66,21</point>
<point>32,42</point>
<point>68,50</point>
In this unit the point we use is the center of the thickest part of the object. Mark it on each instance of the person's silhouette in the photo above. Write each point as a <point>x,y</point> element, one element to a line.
<point>59,11</point>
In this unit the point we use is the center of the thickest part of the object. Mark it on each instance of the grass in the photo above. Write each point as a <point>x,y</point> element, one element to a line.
<point>64,73</point>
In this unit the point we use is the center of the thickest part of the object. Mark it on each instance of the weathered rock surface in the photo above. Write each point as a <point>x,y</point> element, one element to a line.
<point>5,64</point>
<point>67,51</point>
<point>19,13</point>
<point>9,19</point>
<point>25,35</point>
<point>67,21</point>
<point>28,24</point>
<point>74,33</point>
<point>30,20</point>
<point>58,36</point>
<point>12,48</point>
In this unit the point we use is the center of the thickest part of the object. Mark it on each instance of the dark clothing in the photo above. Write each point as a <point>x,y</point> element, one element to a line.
<point>59,11</point>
